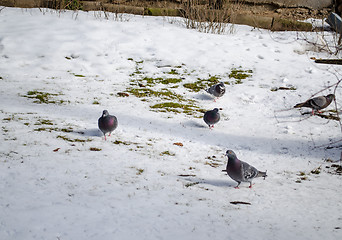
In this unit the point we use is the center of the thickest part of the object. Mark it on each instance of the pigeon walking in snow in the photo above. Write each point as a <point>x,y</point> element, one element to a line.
<point>107,123</point>
<point>211,117</point>
<point>217,90</point>
<point>241,171</point>
<point>317,103</point>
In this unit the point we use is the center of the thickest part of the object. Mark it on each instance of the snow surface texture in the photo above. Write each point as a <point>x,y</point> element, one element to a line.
<point>59,178</point>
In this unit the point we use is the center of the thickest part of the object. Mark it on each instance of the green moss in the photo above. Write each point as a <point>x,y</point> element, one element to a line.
<point>167,153</point>
<point>165,81</point>
<point>121,142</point>
<point>96,102</point>
<point>42,97</point>
<point>173,72</point>
<point>65,138</point>
<point>163,93</point>
<point>140,171</point>
<point>45,129</point>
<point>240,74</point>
<point>202,84</point>
<point>44,122</point>
<point>191,184</point>
<point>188,109</point>
<point>79,75</point>
<point>95,149</point>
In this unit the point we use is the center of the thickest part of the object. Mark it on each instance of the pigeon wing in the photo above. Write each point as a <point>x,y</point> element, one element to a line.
<point>248,172</point>
<point>318,102</point>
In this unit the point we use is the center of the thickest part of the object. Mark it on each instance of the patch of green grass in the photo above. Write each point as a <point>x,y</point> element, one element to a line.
<point>95,149</point>
<point>152,81</point>
<point>45,129</point>
<point>173,72</point>
<point>79,75</point>
<point>191,184</point>
<point>44,122</point>
<point>65,138</point>
<point>188,109</point>
<point>202,84</point>
<point>140,171</point>
<point>42,97</point>
<point>168,153</point>
<point>50,129</point>
<point>162,94</point>
<point>240,74</point>
<point>8,119</point>
<point>121,142</point>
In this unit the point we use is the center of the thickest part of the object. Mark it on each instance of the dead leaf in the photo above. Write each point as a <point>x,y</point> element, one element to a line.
<point>178,144</point>
<point>56,150</point>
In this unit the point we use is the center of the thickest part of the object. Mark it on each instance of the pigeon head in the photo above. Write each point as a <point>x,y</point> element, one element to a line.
<point>331,97</point>
<point>105,113</point>
<point>215,110</point>
<point>230,154</point>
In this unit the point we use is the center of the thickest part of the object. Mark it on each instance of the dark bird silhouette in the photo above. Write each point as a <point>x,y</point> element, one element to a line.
<point>317,103</point>
<point>107,123</point>
<point>241,171</point>
<point>211,117</point>
<point>218,90</point>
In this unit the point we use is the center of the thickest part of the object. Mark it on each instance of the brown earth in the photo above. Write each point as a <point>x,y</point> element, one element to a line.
<point>268,10</point>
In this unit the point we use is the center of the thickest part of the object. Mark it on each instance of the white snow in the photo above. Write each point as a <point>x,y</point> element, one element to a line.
<point>132,189</point>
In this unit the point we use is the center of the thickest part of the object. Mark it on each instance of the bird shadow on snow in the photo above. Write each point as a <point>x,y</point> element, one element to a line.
<point>187,130</point>
<point>204,96</point>
<point>90,132</point>
<point>212,182</point>
<point>195,124</point>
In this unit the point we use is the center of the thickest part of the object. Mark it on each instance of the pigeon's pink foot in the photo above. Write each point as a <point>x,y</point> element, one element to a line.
<point>236,187</point>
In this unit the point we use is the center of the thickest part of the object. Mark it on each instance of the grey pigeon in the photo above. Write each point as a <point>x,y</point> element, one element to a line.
<point>317,103</point>
<point>241,171</point>
<point>217,90</point>
<point>107,123</point>
<point>211,117</point>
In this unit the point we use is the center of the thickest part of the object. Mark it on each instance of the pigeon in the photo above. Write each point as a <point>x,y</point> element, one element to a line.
<point>317,103</point>
<point>211,117</point>
<point>217,90</point>
<point>107,123</point>
<point>241,171</point>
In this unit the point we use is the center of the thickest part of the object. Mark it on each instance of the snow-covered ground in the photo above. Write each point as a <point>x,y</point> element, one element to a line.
<point>59,178</point>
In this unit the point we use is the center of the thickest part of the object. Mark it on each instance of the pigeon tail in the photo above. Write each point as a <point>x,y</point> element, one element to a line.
<point>299,105</point>
<point>262,174</point>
